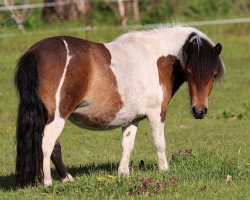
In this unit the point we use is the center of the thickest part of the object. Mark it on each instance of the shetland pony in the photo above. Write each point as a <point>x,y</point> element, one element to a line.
<point>105,86</point>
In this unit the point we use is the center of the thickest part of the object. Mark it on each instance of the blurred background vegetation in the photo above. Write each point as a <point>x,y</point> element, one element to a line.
<point>116,12</point>
<point>220,143</point>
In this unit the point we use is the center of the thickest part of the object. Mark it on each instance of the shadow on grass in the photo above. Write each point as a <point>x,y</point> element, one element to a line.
<point>92,168</point>
<point>109,168</point>
<point>7,182</point>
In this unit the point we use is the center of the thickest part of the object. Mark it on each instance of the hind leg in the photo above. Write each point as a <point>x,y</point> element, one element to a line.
<point>56,158</point>
<point>51,132</point>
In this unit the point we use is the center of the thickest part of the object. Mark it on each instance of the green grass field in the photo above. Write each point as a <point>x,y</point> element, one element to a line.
<point>201,152</point>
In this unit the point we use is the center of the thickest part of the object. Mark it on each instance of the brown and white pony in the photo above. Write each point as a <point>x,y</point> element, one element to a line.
<point>104,86</point>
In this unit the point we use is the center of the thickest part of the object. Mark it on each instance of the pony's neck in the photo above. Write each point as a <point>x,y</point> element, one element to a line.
<point>157,42</point>
<point>166,41</point>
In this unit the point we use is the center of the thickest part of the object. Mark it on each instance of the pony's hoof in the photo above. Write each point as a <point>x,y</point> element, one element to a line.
<point>123,172</point>
<point>47,182</point>
<point>164,168</point>
<point>68,178</point>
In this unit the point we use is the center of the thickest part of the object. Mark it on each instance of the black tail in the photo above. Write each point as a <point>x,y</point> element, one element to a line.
<point>31,120</point>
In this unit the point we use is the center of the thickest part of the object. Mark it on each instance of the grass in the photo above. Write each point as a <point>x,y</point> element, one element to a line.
<point>201,152</point>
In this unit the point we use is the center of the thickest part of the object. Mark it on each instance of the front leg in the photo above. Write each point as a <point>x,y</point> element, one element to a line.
<point>157,127</point>
<point>128,139</point>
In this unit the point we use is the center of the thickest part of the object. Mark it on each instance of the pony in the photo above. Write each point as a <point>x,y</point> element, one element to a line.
<point>102,86</point>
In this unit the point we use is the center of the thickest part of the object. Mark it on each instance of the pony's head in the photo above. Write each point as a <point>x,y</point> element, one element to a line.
<point>202,66</point>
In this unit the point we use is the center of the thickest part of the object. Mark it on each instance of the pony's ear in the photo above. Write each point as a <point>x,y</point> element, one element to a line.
<point>217,48</point>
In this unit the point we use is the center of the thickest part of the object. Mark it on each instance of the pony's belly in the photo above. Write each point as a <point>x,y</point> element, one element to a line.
<point>96,115</point>
<point>88,122</point>
<point>101,119</point>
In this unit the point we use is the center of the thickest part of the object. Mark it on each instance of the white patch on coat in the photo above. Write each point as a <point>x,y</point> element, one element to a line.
<point>53,130</point>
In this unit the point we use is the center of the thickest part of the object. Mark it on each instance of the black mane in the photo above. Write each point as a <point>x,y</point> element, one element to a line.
<point>198,53</point>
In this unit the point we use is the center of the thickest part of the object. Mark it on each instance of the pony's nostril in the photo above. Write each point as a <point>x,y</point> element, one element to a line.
<point>193,110</point>
<point>205,110</point>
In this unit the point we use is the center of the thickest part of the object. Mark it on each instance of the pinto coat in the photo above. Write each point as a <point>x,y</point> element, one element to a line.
<point>104,86</point>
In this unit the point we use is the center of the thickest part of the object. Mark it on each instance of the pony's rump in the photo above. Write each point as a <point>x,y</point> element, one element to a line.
<point>31,120</point>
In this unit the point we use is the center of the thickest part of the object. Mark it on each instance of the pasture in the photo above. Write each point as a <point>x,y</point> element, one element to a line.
<point>207,157</point>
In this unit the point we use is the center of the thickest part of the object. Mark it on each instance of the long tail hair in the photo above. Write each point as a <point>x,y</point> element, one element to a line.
<point>31,121</point>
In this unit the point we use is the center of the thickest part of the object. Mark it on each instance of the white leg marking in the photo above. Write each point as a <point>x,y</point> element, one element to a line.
<point>159,139</point>
<point>51,133</point>
<point>53,130</point>
<point>68,178</point>
<point>128,139</point>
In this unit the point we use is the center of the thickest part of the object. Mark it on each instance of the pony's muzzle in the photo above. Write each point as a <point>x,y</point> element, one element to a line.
<point>198,112</point>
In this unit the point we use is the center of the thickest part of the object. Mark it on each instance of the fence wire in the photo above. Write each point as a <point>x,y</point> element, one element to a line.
<point>131,27</point>
<point>52,4</point>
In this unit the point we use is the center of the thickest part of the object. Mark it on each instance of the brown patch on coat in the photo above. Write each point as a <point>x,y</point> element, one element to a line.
<point>77,76</point>
<point>165,69</point>
<point>89,78</point>
<point>198,96</point>
<point>51,54</point>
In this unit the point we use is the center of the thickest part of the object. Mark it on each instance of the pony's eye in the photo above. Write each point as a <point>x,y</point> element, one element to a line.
<point>215,77</point>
